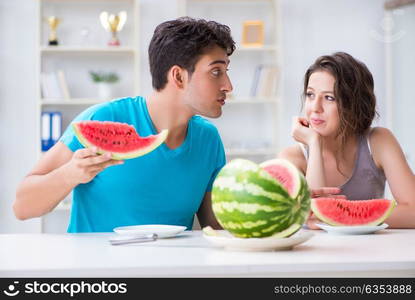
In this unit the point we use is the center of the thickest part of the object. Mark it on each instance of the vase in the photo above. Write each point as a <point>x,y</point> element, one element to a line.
<point>104,90</point>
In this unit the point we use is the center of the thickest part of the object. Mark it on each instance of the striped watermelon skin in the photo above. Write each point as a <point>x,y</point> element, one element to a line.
<point>249,202</point>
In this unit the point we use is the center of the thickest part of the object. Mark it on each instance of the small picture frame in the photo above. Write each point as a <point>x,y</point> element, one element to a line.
<point>253,34</point>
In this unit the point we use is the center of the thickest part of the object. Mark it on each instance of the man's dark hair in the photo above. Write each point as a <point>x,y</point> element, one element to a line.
<point>181,42</point>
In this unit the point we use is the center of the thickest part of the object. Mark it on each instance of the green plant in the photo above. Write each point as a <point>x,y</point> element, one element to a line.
<point>110,77</point>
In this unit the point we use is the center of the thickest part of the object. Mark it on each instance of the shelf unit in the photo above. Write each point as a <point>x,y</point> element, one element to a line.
<point>72,101</point>
<point>246,118</point>
<point>95,50</point>
<point>83,48</point>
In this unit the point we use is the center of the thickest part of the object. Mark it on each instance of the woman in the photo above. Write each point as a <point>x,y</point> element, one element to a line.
<point>337,145</point>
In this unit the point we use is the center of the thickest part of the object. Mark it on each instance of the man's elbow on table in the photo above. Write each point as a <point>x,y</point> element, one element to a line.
<point>23,211</point>
<point>19,211</point>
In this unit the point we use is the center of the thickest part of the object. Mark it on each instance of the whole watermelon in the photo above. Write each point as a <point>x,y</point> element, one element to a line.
<point>251,200</point>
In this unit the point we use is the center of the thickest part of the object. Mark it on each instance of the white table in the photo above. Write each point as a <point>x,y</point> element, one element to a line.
<point>389,253</point>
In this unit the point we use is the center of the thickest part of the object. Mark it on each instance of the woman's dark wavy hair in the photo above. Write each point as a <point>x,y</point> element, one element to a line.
<point>353,91</point>
<point>181,42</point>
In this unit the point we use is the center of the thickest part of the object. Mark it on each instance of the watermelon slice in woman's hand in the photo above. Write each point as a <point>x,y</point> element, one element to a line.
<point>120,139</point>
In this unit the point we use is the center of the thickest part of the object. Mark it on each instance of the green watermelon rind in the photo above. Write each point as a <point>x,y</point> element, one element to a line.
<point>160,138</point>
<point>231,203</point>
<point>209,231</point>
<point>304,200</point>
<point>376,222</point>
<point>303,195</point>
<point>242,173</point>
<point>287,232</point>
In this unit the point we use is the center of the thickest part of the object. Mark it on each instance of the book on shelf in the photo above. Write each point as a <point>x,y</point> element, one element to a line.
<point>51,128</point>
<point>63,84</point>
<point>54,85</point>
<point>254,85</point>
<point>264,83</point>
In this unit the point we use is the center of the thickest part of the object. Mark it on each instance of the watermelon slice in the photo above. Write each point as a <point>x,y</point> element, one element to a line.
<point>342,212</point>
<point>120,139</point>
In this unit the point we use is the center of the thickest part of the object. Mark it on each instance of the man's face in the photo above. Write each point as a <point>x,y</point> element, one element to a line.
<point>205,91</point>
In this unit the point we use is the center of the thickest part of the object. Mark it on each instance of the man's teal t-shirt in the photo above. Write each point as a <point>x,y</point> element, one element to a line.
<point>165,186</point>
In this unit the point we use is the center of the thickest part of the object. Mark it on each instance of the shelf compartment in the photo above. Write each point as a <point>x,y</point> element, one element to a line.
<point>76,49</point>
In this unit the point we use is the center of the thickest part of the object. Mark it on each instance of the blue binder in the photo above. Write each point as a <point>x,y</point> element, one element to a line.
<point>51,128</point>
<point>56,126</point>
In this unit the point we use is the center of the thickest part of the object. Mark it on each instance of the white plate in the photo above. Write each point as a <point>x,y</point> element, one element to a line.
<point>162,231</point>
<point>229,242</point>
<point>352,229</point>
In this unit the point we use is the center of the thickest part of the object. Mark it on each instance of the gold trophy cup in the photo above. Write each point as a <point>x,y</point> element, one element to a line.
<point>113,24</point>
<point>53,24</point>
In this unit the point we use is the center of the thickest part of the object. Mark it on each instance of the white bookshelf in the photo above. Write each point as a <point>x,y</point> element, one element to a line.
<point>249,125</point>
<point>256,49</point>
<point>249,152</point>
<point>82,48</point>
<point>252,100</point>
<point>95,50</point>
<point>72,101</point>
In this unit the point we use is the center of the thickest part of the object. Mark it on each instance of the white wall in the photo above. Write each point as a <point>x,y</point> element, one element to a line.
<point>402,48</point>
<point>17,105</point>
<point>310,29</point>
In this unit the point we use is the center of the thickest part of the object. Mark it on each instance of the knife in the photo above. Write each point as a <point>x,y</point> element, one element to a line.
<point>131,239</point>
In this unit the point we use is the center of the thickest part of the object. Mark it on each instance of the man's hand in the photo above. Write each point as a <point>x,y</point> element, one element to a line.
<point>85,164</point>
<point>322,192</point>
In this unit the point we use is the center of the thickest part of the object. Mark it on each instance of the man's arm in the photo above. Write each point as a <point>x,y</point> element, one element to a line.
<point>205,213</point>
<point>53,178</point>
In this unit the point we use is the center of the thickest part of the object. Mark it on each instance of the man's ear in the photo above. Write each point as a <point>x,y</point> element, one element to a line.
<point>178,76</point>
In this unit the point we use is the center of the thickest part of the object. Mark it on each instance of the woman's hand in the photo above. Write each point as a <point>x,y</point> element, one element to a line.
<point>302,132</point>
<point>312,220</point>
<point>327,192</point>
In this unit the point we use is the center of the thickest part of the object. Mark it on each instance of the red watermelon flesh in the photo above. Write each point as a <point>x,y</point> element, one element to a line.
<point>342,212</point>
<point>285,173</point>
<point>120,139</point>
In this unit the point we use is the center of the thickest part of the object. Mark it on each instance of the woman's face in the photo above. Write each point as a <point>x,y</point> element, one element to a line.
<point>321,107</point>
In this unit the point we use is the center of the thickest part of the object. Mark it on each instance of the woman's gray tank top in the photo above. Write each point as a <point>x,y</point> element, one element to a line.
<point>367,180</point>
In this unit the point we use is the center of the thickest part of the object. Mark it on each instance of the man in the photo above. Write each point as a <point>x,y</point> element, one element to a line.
<point>188,63</point>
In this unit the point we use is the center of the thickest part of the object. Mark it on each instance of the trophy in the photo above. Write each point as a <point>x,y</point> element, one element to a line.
<point>113,24</point>
<point>53,23</point>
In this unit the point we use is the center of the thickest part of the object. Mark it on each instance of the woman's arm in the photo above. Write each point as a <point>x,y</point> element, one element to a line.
<point>302,133</point>
<point>315,176</point>
<point>295,156</point>
<point>388,154</point>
